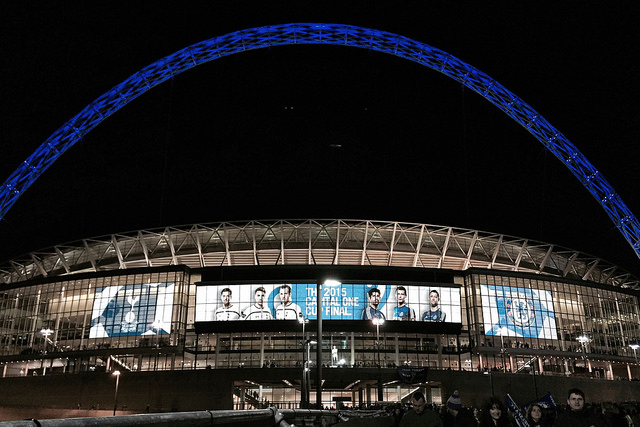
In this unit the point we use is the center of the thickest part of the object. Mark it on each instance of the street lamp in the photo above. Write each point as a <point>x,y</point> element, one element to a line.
<point>157,325</point>
<point>319,298</point>
<point>115,399</point>
<point>45,332</point>
<point>378,321</point>
<point>303,395</point>
<point>583,340</point>
<point>634,347</point>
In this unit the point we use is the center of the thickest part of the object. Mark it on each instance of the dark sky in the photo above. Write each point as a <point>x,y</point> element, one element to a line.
<point>254,135</point>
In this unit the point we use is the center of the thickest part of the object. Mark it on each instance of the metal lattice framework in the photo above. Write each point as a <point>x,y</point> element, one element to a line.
<point>314,242</point>
<point>325,34</point>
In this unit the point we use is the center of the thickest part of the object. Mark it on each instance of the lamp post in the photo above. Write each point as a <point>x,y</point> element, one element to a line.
<point>584,339</point>
<point>157,324</point>
<point>378,321</point>
<point>115,398</point>
<point>45,332</point>
<point>634,347</point>
<point>319,296</point>
<point>304,385</point>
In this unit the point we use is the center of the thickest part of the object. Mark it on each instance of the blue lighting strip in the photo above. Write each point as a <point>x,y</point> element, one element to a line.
<point>326,34</point>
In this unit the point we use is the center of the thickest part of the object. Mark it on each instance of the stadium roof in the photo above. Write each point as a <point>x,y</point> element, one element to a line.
<point>319,242</point>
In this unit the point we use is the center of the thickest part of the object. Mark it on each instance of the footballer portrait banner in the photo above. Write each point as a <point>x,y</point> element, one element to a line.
<point>289,301</point>
<point>518,312</point>
<point>125,310</point>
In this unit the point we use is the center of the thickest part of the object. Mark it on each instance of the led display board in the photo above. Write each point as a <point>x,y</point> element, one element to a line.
<point>140,309</point>
<point>518,312</point>
<point>289,301</point>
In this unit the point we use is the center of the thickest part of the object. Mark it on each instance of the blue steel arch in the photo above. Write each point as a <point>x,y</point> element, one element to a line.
<point>326,34</point>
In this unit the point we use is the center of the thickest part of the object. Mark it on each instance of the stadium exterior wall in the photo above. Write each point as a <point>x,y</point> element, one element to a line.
<point>147,304</point>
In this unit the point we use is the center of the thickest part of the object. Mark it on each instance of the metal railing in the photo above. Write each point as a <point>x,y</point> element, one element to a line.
<point>257,417</point>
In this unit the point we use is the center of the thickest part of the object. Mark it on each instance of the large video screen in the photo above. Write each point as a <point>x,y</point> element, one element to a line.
<point>141,309</point>
<point>518,312</point>
<point>340,302</point>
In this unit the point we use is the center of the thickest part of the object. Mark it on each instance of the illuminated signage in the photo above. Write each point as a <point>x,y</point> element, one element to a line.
<point>518,312</point>
<point>288,301</point>
<point>141,309</point>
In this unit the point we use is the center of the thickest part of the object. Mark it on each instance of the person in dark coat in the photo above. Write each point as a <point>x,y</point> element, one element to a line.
<point>577,415</point>
<point>457,415</point>
<point>494,414</point>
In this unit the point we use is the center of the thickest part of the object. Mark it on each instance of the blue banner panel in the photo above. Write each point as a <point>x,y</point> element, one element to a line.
<point>140,309</point>
<point>342,301</point>
<point>518,312</point>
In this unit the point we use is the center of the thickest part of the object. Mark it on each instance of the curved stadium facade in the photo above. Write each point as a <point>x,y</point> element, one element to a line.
<point>154,300</point>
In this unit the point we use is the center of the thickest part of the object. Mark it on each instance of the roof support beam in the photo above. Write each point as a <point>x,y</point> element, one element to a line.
<point>516,265</point>
<point>364,243</point>
<point>418,246</point>
<point>63,260</point>
<point>592,267</point>
<point>92,259</point>
<point>255,244</point>
<point>496,251</point>
<point>116,248</point>
<point>145,249</point>
<point>393,243</point>
<point>444,248</point>
<point>169,240</point>
<point>38,264</point>
<point>337,254</point>
<point>546,258</point>
<point>570,262</point>
<point>472,245</point>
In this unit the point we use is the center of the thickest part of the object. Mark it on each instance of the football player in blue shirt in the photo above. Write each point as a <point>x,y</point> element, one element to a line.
<point>434,314</point>
<point>372,312</point>
<point>402,311</point>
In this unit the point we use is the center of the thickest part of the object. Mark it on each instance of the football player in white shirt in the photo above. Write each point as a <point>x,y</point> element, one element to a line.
<point>258,311</point>
<point>227,311</point>
<point>287,310</point>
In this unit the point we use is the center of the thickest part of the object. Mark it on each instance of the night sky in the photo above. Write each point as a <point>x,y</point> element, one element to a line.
<point>321,131</point>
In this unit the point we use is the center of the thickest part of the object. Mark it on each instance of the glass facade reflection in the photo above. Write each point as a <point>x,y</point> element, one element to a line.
<point>146,321</point>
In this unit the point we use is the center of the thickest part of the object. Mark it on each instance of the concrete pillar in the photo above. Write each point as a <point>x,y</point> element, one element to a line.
<point>353,349</point>
<point>262,349</point>
<point>242,396</point>
<point>217,353</point>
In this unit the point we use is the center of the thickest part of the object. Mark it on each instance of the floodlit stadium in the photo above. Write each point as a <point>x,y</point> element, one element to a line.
<point>252,314</point>
<point>185,298</point>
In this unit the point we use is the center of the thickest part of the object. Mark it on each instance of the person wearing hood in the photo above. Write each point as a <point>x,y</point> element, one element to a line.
<point>457,415</point>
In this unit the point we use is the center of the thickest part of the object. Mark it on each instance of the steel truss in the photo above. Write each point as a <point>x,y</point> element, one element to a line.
<point>326,34</point>
<point>315,242</point>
